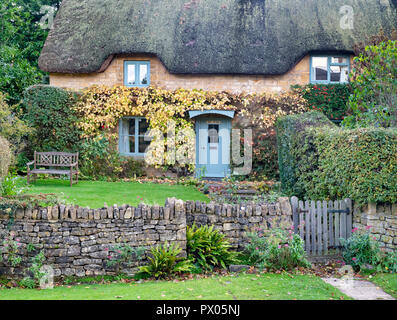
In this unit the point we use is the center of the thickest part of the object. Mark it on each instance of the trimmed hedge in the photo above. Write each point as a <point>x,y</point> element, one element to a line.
<point>360,164</point>
<point>50,111</point>
<point>293,156</point>
<point>319,161</point>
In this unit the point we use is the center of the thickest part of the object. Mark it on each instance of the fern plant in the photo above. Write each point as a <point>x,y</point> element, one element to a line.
<point>208,248</point>
<point>165,262</point>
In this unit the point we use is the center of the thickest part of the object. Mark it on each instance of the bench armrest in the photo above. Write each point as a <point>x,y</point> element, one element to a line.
<point>30,163</point>
<point>74,164</point>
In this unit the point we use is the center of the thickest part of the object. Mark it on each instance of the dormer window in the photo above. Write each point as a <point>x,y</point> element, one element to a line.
<point>329,69</point>
<point>137,73</point>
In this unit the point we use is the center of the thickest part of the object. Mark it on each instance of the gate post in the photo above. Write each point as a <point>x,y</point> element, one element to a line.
<point>295,215</point>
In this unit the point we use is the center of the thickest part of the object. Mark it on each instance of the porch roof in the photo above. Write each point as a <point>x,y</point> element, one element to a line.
<point>225,113</point>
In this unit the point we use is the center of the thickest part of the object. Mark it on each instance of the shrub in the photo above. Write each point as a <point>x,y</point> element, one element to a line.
<point>360,249</point>
<point>50,111</point>
<point>374,82</point>
<point>388,262</point>
<point>123,254</point>
<point>165,262</point>
<point>12,185</point>
<point>330,99</point>
<point>360,164</point>
<point>12,127</point>
<point>293,155</point>
<point>100,159</point>
<point>208,248</point>
<point>278,248</point>
<point>5,157</point>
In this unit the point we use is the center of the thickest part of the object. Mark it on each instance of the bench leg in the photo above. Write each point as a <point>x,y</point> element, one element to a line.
<point>27,180</point>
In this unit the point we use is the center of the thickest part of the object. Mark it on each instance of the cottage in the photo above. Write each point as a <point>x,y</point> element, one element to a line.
<point>232,45</point>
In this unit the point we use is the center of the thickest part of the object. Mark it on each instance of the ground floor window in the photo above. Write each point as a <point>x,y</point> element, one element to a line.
<point>329,69</point>
<point>132,132</point>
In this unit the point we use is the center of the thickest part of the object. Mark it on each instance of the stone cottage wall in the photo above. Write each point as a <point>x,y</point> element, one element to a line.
<point>160,77</point>
<point>381,221</point>
<point>75,239</point>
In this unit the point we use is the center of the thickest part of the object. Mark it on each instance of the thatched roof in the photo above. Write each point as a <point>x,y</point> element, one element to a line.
<point>208,36</point>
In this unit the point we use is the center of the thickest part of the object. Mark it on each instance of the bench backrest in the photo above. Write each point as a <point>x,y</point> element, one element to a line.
<point>55,159</point>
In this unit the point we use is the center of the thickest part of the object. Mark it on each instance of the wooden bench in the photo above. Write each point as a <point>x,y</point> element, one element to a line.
<point>55,161</point>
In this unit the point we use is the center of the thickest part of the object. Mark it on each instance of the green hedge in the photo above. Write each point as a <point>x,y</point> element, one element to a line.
<point>320,161</point>
<point>293,155</point>
<point>360,164</point>
<point>50,111</point>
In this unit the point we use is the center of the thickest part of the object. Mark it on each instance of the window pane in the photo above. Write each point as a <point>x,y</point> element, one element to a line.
<point>339,74</point>
<point>131,127</point>
<point>143,74</point>
<point>339,60</point>
<point>213,136</point>
<point>132,144</point>
<point>131,74</point>
<point>143,127</point>
<point>143,145</point>
<point>320,68</point>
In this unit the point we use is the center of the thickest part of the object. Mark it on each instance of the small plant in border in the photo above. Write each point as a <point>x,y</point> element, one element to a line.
<point>123,254</point>
<point>10,251</point>
<point>360,249</point>
<point>208,248</point>
<point>164,262</point>
<point>278,248</point>
<point>388,262</point>
<point>35,269</point>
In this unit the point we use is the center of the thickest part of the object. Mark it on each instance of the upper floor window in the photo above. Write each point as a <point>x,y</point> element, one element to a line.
<point>137,73</point>
<point>132,132</point>
<point>329,69</point>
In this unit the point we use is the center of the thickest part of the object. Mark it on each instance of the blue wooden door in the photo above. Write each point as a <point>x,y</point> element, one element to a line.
<point>213,147</point>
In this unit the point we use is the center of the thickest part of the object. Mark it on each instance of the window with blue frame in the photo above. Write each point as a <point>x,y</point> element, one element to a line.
<point>329,69</point>
<point>132,132</point>
<point>136,73</point>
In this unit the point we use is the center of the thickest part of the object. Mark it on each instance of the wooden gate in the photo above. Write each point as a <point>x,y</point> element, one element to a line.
<point>322,223</point>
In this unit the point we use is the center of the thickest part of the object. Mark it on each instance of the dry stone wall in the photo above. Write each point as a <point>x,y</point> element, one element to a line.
<point>381,221</point>
<point>75,239</point>
<point>234,221</point>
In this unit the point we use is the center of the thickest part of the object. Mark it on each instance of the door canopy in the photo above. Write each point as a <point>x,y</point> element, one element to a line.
<point>225,113</point>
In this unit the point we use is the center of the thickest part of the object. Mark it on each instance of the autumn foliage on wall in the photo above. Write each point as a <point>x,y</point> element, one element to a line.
<point>102,107</point>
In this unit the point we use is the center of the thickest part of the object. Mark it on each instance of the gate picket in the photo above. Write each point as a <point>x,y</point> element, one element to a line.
<point>337,216</point>
<point>313,225</point>
<point>325,227</point>
<point>307,227</point>
<point>331,225</point>
<point>319,231</point>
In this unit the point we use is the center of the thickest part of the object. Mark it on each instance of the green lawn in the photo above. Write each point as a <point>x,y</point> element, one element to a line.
<point>241,287</point>
<point>94,193</point>
<point>387,281</point>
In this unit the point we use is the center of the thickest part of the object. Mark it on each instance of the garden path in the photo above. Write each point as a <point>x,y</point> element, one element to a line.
<point>358,289</point>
